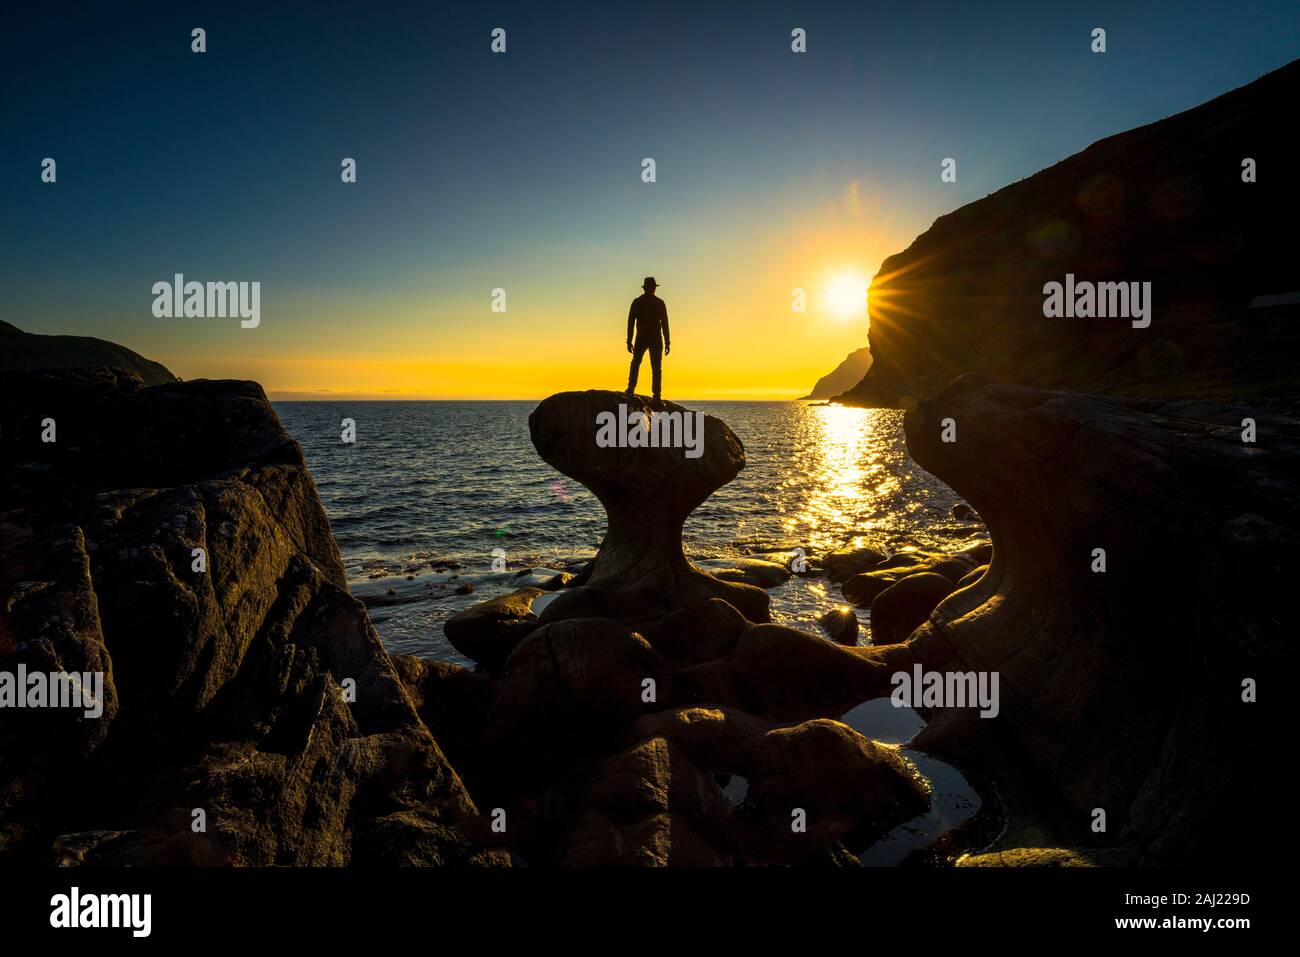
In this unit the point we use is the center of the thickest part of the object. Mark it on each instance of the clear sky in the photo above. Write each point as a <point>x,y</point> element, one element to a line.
<point>522,171</point>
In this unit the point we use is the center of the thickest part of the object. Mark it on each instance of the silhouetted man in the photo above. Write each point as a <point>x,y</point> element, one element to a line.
<point>649,316</point>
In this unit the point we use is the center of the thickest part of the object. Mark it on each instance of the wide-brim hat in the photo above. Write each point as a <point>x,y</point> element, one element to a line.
<point>649,282</point>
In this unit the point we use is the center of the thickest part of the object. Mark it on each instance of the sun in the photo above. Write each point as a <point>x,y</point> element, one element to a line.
<point>845,295</point>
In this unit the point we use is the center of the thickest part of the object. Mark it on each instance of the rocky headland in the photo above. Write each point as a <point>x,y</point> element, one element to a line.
<point>1165,203</point>
<point>21,350</point>
<point>843,377</point>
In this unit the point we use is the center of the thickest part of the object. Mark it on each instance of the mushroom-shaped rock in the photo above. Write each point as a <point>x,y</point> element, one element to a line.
<point>650,463</point>
<point>1122,686</point>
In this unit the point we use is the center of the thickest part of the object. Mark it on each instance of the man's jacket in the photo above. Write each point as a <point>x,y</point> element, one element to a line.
<point>649,315</point>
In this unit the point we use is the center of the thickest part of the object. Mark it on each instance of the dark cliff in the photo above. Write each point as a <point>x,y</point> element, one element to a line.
<point>1165,204</point>
<point>844,376</point>
<point>29,351</point>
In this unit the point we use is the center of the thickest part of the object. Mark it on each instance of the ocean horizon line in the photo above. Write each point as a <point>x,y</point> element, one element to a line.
<point>273,397</point>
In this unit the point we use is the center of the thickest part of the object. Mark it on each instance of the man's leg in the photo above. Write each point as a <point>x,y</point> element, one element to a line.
<point>656,363</point>
<point>636,367</point>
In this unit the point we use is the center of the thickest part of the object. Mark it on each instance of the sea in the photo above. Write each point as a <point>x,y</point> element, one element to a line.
<point>438,505</point>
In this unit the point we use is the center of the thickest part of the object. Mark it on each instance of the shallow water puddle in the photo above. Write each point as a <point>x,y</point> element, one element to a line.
<point>952,799</point>
<point>736,790</point>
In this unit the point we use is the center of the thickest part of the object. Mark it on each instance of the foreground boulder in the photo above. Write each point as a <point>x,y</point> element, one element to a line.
<point>172,540</point>
<point>750,571</point>
<point>571,684</point>
<point>649,806</point>
<point>659,801</point>
<point>647,494</point>
<point>901,607</point>
<point>862,588</point>
<point>790,675</point>
<point>489,631</point>
<point>698,631</point>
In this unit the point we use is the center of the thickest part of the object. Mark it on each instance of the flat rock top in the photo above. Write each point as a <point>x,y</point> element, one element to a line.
<point>572,432</point>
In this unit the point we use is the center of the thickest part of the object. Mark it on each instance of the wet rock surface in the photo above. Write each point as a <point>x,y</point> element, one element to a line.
<point>489,631</point>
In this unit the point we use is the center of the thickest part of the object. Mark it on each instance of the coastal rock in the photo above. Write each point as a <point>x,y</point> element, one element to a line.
<point>750,571</point>
<point>953,569</point>
<point>592,601</point>
<point>841,624</point>
<point>972,576</point>
<point>710,682</point>
<point>698,631</point>
<point>848,787</point>
<point>658,802</point>
<point>963,512</point>
<point>900,608</point>
<point>548,579</point>
<point>978,554</point>
<point>1028,857</point>
<point>452,702</point>
<point>31,351</point>
<point>650,807</point>
<point>910,561</point>
<point>1121,687</point>
<point>489,631</point>
<point>571,686</point>
<point>845,563</point>
<point>647,494</point>
<point>863,588</point>
<point>248,683</point>
<point>790,675</point>
<point>1155,204</point>
<point>97,849</point>
<point>844,376</point>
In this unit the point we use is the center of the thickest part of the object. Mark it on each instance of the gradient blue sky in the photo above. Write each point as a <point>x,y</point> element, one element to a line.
<point>523,171</point>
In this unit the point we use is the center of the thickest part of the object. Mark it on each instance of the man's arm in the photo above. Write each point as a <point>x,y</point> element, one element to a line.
<point>667,337</point>
<point>631,319</point>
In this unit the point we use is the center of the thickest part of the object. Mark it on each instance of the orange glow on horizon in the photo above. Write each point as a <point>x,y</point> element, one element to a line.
<point>736,333</point>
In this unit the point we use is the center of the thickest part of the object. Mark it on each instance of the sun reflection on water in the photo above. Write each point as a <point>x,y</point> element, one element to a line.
<point>849,472</point>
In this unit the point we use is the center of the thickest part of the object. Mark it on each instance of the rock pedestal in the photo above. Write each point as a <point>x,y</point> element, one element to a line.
<point>647,493</point>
